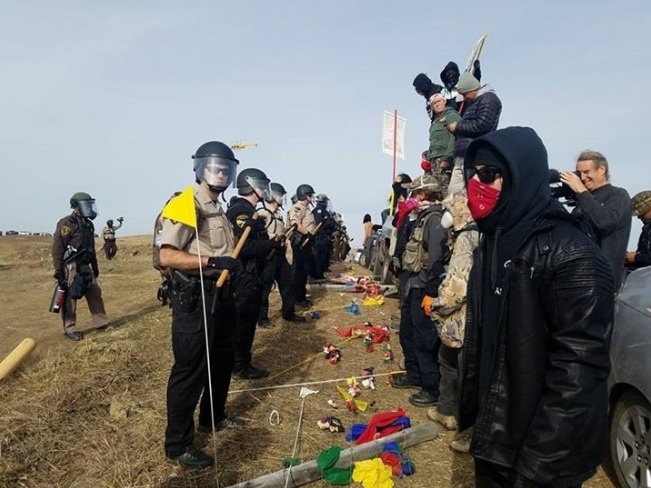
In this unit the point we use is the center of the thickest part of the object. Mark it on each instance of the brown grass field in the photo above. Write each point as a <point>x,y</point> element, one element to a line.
<point>92,414</point>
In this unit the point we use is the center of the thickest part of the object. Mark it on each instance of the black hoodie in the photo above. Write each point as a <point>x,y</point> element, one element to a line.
<point>525,197</point>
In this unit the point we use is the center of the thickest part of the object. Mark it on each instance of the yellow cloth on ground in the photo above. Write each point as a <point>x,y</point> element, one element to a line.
<point>373,473</point>
<point>373,301</point>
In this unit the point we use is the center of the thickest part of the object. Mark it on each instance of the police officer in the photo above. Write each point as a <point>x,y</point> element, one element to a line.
<point>323,240</point>
<point>108,234</point>
<point>195,260</point>
<point>252,187</point>
<point>279,266</point>
<point>301,216</point>
<point>75,264</point>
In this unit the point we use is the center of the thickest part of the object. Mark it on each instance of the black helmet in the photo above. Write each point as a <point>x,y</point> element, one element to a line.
<point>109,223</point>
<point>216,165</point>
<point>322,198</point>
<point>251,179</point>
<point>294,199</point>
<point>277,194</point>
<point>84,204</point>
<point>303,191</point>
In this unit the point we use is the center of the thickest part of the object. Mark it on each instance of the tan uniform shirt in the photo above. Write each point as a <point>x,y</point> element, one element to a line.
<point>215,233</point>
<point>273,221</point>
<point>108,233</point>
<point>301,213</point>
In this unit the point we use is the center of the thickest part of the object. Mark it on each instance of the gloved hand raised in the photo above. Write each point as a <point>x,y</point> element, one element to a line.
<point>426,305</point>
<point>222,262</point>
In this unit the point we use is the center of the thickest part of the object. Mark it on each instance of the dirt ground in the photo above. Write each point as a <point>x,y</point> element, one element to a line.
<point>93,413</point>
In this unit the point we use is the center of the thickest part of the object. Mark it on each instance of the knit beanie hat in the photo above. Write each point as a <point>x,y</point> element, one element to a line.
<point>467,83</point>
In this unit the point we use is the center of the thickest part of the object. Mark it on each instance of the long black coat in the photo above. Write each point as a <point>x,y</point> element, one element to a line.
<point>544,413</point>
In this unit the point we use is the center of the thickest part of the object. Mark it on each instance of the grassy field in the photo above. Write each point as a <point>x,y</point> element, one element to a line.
<point>92,414</point>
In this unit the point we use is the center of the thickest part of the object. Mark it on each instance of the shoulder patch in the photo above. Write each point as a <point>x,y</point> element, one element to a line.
<point>65,230</point>
<point>241,220</point>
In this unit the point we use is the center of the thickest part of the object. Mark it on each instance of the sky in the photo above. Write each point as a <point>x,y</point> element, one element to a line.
<point>113,98</point>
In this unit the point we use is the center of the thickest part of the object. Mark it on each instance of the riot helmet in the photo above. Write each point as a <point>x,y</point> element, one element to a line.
<point>84,204</point>
<point>278,194</point>
<point>322,201</point>
<point>253,180</point>
<point>109,223</point>
<point>294,199</point>
<point>304,191</point>
<point>216,165</point>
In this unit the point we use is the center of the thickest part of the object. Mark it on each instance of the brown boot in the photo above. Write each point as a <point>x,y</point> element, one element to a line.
<point>461,441</point>
<point>447,421</point>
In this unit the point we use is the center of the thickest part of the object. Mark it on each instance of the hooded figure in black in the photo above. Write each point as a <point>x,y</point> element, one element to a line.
<point>540,312</point>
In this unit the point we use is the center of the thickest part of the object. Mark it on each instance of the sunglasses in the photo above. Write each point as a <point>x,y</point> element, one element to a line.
<point>218,170</point>
<point>486,174</point>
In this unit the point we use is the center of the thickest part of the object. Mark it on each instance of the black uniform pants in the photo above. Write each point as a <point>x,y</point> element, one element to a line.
<point>302,262</point>
<point>188,381</point>
<point>420,343</point>
<point>489,475</point>
<point>280,271</point>
<point>249,300</point>
<point>321,257</point>
<point>110,249</point>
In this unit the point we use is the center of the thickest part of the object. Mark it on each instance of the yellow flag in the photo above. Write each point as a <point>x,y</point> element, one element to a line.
<point>181,208</point>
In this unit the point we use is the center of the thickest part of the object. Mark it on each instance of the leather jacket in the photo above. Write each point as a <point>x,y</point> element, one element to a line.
<point>544,413</point>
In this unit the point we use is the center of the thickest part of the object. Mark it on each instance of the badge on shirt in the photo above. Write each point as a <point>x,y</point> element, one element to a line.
<point>65,230</point>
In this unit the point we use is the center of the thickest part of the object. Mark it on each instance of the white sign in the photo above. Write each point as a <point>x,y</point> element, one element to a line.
<point>390,127</point>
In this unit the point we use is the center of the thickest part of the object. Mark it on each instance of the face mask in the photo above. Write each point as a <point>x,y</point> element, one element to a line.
<point>482,199</point>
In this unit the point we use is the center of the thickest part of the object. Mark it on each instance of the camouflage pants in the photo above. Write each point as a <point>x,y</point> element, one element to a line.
<point>441,174</point>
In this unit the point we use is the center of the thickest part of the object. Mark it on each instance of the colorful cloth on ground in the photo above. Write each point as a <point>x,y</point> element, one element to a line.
<point>383,424</point>
<point>326,462</point>
<point>372,473</point>
<point>379,334</point>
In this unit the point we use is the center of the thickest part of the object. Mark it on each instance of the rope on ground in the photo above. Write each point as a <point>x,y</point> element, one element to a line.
<point>292,385</point>
<point>310,358</point>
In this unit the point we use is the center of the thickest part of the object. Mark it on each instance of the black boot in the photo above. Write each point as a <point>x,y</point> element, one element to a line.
<point>191,458</point>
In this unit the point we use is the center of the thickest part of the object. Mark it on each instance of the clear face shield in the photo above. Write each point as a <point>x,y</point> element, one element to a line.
<point>261,187</point>
<point>279,198</point>
<point>217,173</point>
<point>88,209</point>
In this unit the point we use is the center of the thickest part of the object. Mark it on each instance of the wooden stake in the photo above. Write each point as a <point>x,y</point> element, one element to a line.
<point>309,472</point>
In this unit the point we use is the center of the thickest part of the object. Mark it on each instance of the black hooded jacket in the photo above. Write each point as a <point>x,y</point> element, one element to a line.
<point>540,310</point>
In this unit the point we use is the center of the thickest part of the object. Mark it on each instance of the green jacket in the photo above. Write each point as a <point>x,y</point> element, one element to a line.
<point>441,142</point>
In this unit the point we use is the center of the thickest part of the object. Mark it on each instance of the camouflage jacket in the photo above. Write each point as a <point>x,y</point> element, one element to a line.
<point>449,308</point>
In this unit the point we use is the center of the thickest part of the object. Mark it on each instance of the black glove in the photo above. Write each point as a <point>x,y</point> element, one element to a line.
<point>60,276</point>
<point>95,272</point>
<point>222,262</point>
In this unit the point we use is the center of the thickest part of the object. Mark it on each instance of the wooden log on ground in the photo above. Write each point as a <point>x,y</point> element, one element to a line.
<point>309,472</point>
<point>386,289</point>
<point>15,357</point>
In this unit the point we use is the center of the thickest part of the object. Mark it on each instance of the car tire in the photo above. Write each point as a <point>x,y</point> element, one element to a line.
<point>630,441</point>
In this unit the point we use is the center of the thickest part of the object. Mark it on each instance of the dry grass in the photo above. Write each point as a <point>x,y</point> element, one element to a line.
<point>93,414</point>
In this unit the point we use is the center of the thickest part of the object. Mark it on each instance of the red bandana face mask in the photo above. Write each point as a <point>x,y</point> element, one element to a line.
<point>482,199</point>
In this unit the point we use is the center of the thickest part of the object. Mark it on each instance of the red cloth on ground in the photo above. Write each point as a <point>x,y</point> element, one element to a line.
<point>392,460</point>
<point>380,426</point>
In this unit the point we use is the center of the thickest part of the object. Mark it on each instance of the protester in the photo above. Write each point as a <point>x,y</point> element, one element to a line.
<point>422,270</point>
<point>642,210</point>
<point>448,310</point>
<point>540,313</point>
<point>480,115</point>
<point>605,209</point>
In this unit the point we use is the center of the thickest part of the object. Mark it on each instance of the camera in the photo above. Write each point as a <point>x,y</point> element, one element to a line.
<point>559,190</point>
